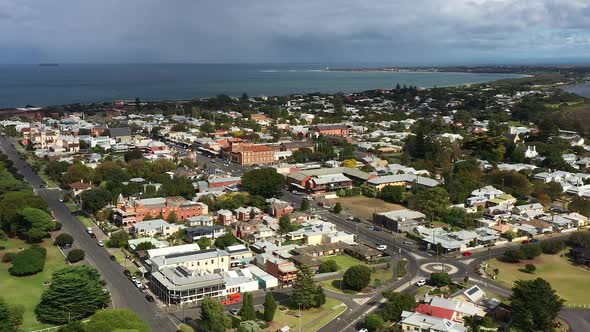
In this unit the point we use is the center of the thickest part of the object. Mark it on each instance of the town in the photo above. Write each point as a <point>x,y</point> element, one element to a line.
<point>404,209</point>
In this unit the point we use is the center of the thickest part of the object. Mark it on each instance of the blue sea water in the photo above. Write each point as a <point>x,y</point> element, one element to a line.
<point>22,85</point>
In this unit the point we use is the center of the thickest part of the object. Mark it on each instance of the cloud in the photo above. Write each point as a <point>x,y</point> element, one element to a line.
<point>289,31</point>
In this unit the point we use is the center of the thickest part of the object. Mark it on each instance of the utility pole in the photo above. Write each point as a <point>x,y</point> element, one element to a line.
<point>300,317</point>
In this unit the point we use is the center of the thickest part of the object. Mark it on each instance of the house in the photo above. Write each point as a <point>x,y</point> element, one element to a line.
<point>406,180</point>
<point>480,197</point>
<point>364,253</point>
<point>528,210</point>
<point>210,232</point>
<point>297,145</point>
<point>540,226</point>
<point>400,221</point>
<point>284,270</point>
<point>278,208</point>
<point>155,227</point>
<point>79,187</point>
<point>199,221</point>
<point>322,180</point>
<point>226,217</point>
<point>121,135</point>
<point>415,321</point>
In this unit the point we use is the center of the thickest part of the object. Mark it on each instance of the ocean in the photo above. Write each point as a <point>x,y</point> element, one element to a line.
<point>36,85</point>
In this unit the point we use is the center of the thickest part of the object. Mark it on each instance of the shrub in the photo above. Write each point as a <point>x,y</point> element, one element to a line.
<point>329,266</point>
<point>57,226</point>
<point>530,268</point>
<point>552,247</point>
<point>374,322</point>
<point>27,262</point>
<point>513,256</point>
<point>402,268</point>
<point>357,277</point>
<point>40,249</point>
<point>75,255</point>
<point>64,239</point>
<point>7,258</point>
<point>440,279</point>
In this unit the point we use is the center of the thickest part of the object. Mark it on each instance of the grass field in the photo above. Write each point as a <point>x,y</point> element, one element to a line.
<point>364,207</point>
<point>186,328</point>
<point>311,320</point>
<point>27,291</point>
<point>570,281</point>
<point>345,262</point>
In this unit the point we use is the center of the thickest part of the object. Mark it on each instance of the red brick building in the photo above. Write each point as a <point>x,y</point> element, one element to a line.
<point>333,130</point>
<point>250,154</point>
<point>130,212</point>
<point>285,271</point>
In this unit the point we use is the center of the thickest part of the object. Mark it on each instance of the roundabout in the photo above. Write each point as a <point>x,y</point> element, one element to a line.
<point>439,267</point>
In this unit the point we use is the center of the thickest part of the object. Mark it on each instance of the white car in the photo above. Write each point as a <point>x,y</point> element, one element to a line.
<point>363,330</point>
<point>100,244</point>
<point>382,247</point>
<point>88,230</point>
<point>421,282</point>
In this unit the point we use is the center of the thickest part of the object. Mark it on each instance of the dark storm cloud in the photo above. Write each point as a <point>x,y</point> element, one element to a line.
<point>288,31</point>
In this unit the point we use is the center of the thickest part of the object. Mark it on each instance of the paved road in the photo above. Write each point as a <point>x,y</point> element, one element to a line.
<point>124,293</point>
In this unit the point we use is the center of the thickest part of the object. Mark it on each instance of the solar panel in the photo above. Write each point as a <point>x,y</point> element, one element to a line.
<point>472,290</point>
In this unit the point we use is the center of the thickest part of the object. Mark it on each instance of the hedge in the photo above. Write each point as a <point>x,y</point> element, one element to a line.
<point>75,255</point>
<point>27,262</point>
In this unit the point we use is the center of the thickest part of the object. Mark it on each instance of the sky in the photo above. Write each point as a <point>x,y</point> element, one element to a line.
<point>396,32</point>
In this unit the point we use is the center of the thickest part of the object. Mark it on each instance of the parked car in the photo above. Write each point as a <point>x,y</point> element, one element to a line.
<point>421,282</point>
<point>126,272</point>
<point>376,229</point>
<point>234,311</point>
<point>92,235</point>
<point>363,330</point>
<point>382,247</point>
<point>351,218</point>
<point>114,259</point>
<point>534,241</point>
<point>150,298</point>
<point>88,230</point>
<point>467,253</point>
<point>100,243</point>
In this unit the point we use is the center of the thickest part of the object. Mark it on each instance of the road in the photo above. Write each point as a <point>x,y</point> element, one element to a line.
<point>124,294</point>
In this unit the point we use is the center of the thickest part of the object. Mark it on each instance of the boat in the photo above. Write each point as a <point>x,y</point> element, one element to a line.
<point>49,64</point>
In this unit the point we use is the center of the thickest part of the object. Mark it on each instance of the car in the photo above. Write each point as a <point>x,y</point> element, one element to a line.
<point>134,278</point>
<point>363,330</point>
<point>88,230</point>
<point>92,235</point>
<point>534,241</point>
<point>351,218</point>
<point>376,229</point>
<point>100,243</point>
<point>127,273</point>
<point>234,311</point>
<point>408,242</point>
<point>467,253</point>
<point>114,259</point>
<point>150,298</point>
<point>421,282</point>
<point>382,247</point>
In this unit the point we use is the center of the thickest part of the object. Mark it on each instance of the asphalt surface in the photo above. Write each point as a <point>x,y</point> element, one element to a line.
<point>123,292</point>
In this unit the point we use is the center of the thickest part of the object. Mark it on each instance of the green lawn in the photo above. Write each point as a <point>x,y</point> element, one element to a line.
<point>186,328</point>
<point>87,222</point>
<point>27,290</point>
<point>72,206</point>
<point>570,281</point>
<point>345,262</point>
<point>311,320</point>
<point>121,260</point>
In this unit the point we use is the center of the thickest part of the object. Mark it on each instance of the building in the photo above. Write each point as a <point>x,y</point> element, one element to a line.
<point>332,130</point>
<point>155,227</point>
<point>251,154</point>
<point>121,135</point>
<point>400,221</point>
<point>279,208</point>
<point>297,145</point>
<point>284,270</point>
<point>178,285</point>
<point>205,261</point>
<point>322,180</point>
<point>129,212</point>
<point>405,180</point>
<point>210,232</point>
<point>415,321</point>
<point>364,253</point>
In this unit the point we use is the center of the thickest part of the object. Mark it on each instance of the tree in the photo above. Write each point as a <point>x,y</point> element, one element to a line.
<point>329,266</point>
<point>249,326</point>
<point>350,163</point>
<point>225,240</point>
<point>204,242</point>
<point>270,307</point>
<point>95,199</point>
<point>213,317</point>
<point>11,316</point>
<point>132,155</point>
<point>392,194</point>
<point>116,320</point>
<point>396,303</point>
<point>64,239</point>
<point>368,190</point>
<point>476,322</point>
<point>579,240</point>
<point>172,218</point>
<point>357,277</point>
<point>76,292</point>
<point>530,268</point>
<point>285,224</point>
<point>142,246</point>
<point>580,205</point>
<point>265,182</point>
<point>320,299</point>
<point>38,223</point>
<point>304,205</point>
<point>75,255</point>
<point>535,305</point>
<point>247,311</point>
<point>530,251</point>
<point>119,239</point>
<point>552,247</point>
<point>432,201</point>
<point>374,322</point>
<point>513,256</point>
<point>337,208</point>
<point>304,289</point>
<point>27,262</point>
<point>440,279</point>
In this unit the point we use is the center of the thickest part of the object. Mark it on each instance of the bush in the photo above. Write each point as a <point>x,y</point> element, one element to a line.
<point>530,251</point>
<point>513,256</point>
<point>402,268</point>
<point>40,249</point>
<point>75,255</point>
<point>329,266</point>
<point>64,239</point>
<point>552,247</point>
<point>118,239</point>
<point>530,268</point>
<point>7,258</point>
<point>440,279</point>
<point>374,322</point>
<point>57,226</point>
<point>357,277</point>
<point>27,262</point>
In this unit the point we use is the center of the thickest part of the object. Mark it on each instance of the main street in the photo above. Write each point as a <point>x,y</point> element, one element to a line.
<point>124,293</point>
